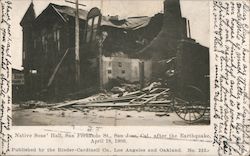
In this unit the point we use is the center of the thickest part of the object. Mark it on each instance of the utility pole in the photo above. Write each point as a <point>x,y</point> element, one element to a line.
<point>77,42</point>
<point>100,67</point>
<point>77,47</point>
<point>102,38</point>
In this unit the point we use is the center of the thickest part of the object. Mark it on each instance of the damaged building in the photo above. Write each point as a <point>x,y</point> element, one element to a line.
<point>175,41</point>
<point>49,40</point>
<point>49,36</point>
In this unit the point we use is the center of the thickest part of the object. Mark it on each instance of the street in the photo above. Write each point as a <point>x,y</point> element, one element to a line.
<point>98,116</point>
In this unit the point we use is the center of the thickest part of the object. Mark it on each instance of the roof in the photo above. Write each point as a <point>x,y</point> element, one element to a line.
<point>29,15</point>
<point>16,70</point>
<point>69,11</point>
<point>129,23</point>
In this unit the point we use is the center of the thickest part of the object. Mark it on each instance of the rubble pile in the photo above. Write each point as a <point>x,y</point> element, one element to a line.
<point>125,97</point>
<point>154,98</point>
<point>35,104</point>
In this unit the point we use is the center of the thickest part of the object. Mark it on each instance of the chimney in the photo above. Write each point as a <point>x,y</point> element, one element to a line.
<point>173,24</point>
<point>172,7</point>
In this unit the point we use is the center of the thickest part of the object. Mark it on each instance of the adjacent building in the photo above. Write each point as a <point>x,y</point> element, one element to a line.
<point>17,84</point>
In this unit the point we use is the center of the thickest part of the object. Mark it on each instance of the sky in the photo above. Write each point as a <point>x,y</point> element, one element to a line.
<point>196,11</point>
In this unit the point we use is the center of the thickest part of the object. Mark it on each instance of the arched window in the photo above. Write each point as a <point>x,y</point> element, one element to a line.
<point>92,24</point>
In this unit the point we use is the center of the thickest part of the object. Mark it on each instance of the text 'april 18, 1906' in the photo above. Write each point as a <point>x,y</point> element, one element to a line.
<point>230,77</point>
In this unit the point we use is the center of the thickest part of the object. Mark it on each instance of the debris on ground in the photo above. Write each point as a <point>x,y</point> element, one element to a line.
<point>34,104</point>
<point>127,97</point>
<point>161,114</point>
<point>118,90</point>
<point>128,116</point>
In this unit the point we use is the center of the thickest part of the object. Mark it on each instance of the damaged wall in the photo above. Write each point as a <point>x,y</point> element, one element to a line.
<point>174,28</point>
<point>130,35</point>
<point>124,68</point>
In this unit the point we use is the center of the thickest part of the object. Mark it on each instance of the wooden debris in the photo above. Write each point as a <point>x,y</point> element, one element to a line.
<point>162,114</point>
<point>160,102</point>
<point>123,98</point>
<point>121,104</point>
<point>88,99</point>
<point>137,98</point>
<point>153,94</point>
<point>132,93</point>
<point>107,105</point>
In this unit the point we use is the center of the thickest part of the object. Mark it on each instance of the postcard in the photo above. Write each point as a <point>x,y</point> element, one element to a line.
<point>125,77</point>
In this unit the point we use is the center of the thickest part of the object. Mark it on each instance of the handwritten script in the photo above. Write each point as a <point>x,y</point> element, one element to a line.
<point>5,107</point>
<point>231,77</point>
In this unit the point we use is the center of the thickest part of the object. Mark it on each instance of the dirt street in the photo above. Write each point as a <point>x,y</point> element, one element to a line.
<point>105,117</point>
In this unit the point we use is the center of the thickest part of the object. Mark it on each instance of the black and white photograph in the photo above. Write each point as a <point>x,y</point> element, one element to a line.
<point>125,77</point>
<point>110,63</point>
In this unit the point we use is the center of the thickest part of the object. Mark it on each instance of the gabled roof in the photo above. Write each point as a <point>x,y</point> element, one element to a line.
<point>29,15</point>
<point>66,10</point>
<point>62,12</point>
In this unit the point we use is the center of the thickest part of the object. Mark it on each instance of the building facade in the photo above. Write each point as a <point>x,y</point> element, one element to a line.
<point>49,38</point>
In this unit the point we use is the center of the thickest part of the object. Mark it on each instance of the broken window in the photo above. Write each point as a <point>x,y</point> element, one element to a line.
<point>109,71</point>
<point>95,28</point>
<point>92,29</point>
<point>57,39</point>
<point>123,71</point>
<point>89,30</point>
<point>44,44</point>
<point>92,25</point>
